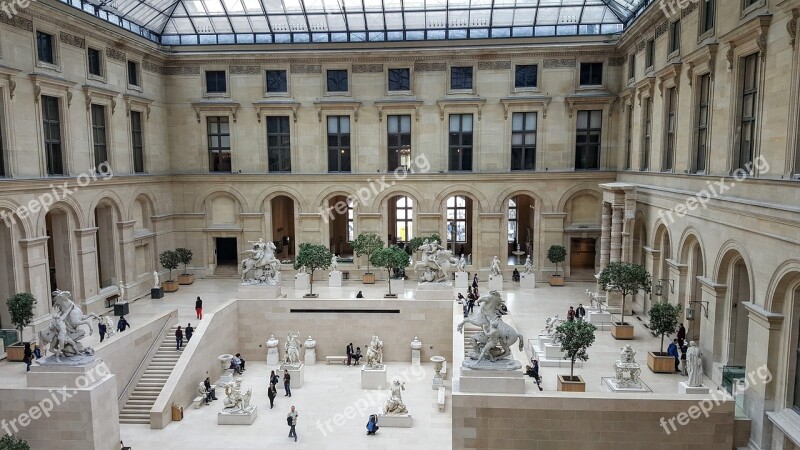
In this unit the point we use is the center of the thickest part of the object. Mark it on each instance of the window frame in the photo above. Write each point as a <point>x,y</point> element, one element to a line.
<point>349,76</point>
<point>474,79</point>
<point>399,135</point>
<point>650,54</point>
<point>455,220</point>
<point>226,77</point>
<point>61,135</point>
<point>670,129</point>
<point>339,147</point>
<point>143,146</point>
<point>5,154</point>
<point>461,145</point>
<point>742,93</point>
<point>55,47</point>
<point>408,221</point>
<point>523,146</point>
<point>588,131</point>
<point>603,77</point>
<point>704,29</point>
<point>700,103</point>
<point>287,74</point>
<point>104,147</point>
<point>675,35</point>
<point>101,63</point>
<point>138,71</point>
<point>284,152</point>
<point>535,87</point>
<point>210,151</point>
<point>389,90</point>
<point>647,133</point>
<point>514,221</point>
<point>632,67</point>
<point>629,137</point>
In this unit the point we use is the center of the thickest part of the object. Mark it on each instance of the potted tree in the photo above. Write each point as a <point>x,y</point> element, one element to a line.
<point>556,254</point>
<point>9,442</point>
<point>575,336</point>
<point>391,258</point>
<point>365,245</point>
<point>185,258</point>
<point>169,260</point>
<point>627,279</point>
<point>663,321</point>
<point>313,256</point>
<point>21,307</point>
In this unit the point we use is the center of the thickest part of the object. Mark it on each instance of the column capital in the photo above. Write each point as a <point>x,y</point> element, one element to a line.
<point>32,242</point>
<point>681,268</point>
<point>710,286</point>
<point>86,231</point>
<point>126,224</point>
<point>767,319</point>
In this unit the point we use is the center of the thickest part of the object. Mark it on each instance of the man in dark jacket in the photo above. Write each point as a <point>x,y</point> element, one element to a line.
<point>189,332</point>
<point>101,328</point>
<point>580,313</point>
<point>122,324</point>
<point>533,372</point>
<point>672,350</point>
<point>349,351</point>
<point>178,338</point>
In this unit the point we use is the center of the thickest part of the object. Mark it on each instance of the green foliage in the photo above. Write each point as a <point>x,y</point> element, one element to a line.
<point>184,257</point>
<point>556,254</point>
<point>314,257</point>
<point>169,260</point>
<point>9,442</point>
<point>625,278</point>
<point>664,319</point>
<point>576,337</point>
<point>416,242</point>
<point>390,258</point>
<point>367,244</point>
<point>21,307</point>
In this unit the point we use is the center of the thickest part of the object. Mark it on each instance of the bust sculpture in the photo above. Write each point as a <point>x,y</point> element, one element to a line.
<point>494,266</point>
<point>395,403</point>
<point>334,263</point>
<point>156,284</point>
<point>694,365</point>
<point>528,265</point>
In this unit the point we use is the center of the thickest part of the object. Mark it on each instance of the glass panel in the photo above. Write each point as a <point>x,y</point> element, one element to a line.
<point>516,121</point>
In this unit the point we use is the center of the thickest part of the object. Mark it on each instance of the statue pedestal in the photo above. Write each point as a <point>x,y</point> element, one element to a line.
<point>495,282</point>
<point>272,356</point>
<point>120,309</point>
<point>434,291</point>
<point>49,373</point>
<point>414,357</point>
<point>246,417</point>
<point>398,286</point>
<point>527,281</point>
<point>553,351</point>
<point>611,384</point>
<point>335,279</point>
<point>259,291</point>
<point>311,356</point>
<point>491,381</point>
<point>374,379</point>
<point>684,388</point>
<point>157,293</point>
<point>601,320</point>
<point>296,374</point>
<point>301,281</point>
<point>394,420</point>
<point>462,280</point>
<point>544,340</point>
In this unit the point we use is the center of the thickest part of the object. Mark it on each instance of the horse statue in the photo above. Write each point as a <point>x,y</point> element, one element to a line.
<point>496,337</point>
<point>262,264</point>
<point>62,336</point>
<point>435,263</point>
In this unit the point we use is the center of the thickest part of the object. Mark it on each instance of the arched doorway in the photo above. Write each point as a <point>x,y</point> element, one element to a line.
<point>341,226</point>
<point>7,282</point>
<point>458,225</point>
<point>735,276</point>
<point>105,219</point>
<point>692,255</point>
<point>283,232</point>
<point>58,227</point>
<point>662,244</point>
<point>400,215</point>
<point>520,217</point>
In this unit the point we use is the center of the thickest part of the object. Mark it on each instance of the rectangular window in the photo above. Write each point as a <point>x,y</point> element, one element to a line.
<point>460,142</point>
<point>99,136</point>
<point>337,81</point>
<point>671,126</point>
<point>398,138</point>
<point>650,56</point>
<point>216,82</point>
<point>44,48</point>
<point>137,142</point>
<point>338,143</point>
<point>632,66</point>
<point>526,76</point>
<point>647,134</point>
<point>461,78</point>
<point>748,3</point>
<point>629,143</point>
<point>399,79</point>
<point>133,73</point>
<point>675,37</point>
<point>219,144</point>
<point>707,12</point>
<point>278,144</point>
<point>277,82</point>
<point>747,125</point>
<point>587,140</point>
<point>523,141</point>
<point>701,128</point>
<point>591,74</point>
<point>51,124</point>
<point>95,62</point>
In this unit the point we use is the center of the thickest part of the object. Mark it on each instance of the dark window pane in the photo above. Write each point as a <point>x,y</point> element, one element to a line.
<point>137,141</point>
<point>337,81</point>
<point>591,74</point>
<point>52,135</point>
<point>526,76</point>
<point>461,78</point>
<point>95,62</point>
<point>216,82</point>
<point>278,144</point>
<point>219,144</point>
<point>399,80</point>
<point>587,139</point>
<point>133,73</point>
<point>338,143</point>
<point>99,134</point>
<point>44,47</point>
<point>276,81</point>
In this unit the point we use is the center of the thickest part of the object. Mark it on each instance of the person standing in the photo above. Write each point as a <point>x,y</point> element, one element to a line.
<point>122,324</point>
<point>273,379</point>
<point>27,356</point>
<point>470,305</point>
<point>211,390</point>
<point>101,329</point>
<point>349,353</point>
<point>672,350</point>
<point>681,334</point>
<point>189,332</point>
<point>198,308</point>
<point>178,338</point>
<point>570,314</point>
<point>580,313</point>
<point>291,419</point>
<point>287,381</point>
<point>475,281</point>
<point>271,393</point>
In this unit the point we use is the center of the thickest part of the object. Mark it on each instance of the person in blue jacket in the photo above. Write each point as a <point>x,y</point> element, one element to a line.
<point>372,424</point>
<point>672,350</point>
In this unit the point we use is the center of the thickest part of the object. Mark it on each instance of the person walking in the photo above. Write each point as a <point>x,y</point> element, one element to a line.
<point>287,381</point>
<point>570,314</point>
<point>189,332</point>
<point>101,329</point>
<point>122,324</point>
<point>580,313</point>
<point>681,334</point>
<point>470,305</point>
<point>349,351</point>
<point>198,308</point>
<point>273,379</point>
<point>291,419</point>
<point>178,338</point>
<point>27,356</point>
<point>672,350</point>
<point>272,393</point>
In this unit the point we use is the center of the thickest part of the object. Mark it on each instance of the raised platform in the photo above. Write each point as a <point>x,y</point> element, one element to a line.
<point>527,281</point>
<point>612,386</point>
<point>238,418</point>
<point>491,381</point>
<point>335,279</point>
<point>259,291</point>
<point>684,388</point>
<point>434,291</point>
<point>374,379</point>
<point>296,374</point>
<point>70,372</point>
<point>394,420</point>
<point>495,282</point>
<point>462,280</point>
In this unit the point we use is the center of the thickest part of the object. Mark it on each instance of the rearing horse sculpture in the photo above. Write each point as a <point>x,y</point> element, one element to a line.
<point>496,337</point>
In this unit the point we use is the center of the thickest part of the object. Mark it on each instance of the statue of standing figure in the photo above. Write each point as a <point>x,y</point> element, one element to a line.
<point>528,265</point>
<point>292,347</point>
<point>494,267</point>
<point>694,365</point>
<point>156,284</point>
<point>121,298</point>
<point>334,263</point>
<point>375,354</point>
<point>461,265</point>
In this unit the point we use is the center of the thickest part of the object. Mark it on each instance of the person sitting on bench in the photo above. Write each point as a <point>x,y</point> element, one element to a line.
<point>211,391</point>
<point>533,372</point>
<point>357,356</point>
<point>236,365</point>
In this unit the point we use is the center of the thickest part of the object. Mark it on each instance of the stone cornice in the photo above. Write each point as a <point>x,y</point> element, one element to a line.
<point>475,102</point>
<point>337,105</point>
<point>541,101</point>
<point>281,105</point>
<point>602,100</point>
<point>224,106</point>
<point>398,104</point>
<point>767,319</point>
<point>91,92</point>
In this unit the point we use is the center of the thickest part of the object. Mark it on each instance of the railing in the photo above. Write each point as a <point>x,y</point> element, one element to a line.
<point>729,375</point>
<point>9,337</point>
<point>148,356</point>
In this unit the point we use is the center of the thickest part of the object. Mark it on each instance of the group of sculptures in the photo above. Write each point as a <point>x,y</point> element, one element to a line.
<point>236,401</point>
<point>436,261</point>
<point>261,267</point>
<point>62,336</point>
<point>492,344</point>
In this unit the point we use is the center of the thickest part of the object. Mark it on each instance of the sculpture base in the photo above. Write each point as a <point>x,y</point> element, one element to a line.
<point>613,386</point>
<point>434,291</point>
<point>246,417</point>
<point>311,357</point>
<point>544,361</point>
<point>157,293</point>
<point>259,291</point>
<point>301,281</point>
<point>335,279</point>
<point>495,282</point>
<point>492,381</point>
<point>462,280</point>
<point>500,364</point>
<point>527,281</point>
<point>544,340</point>
<point>414,357</point>
<point>437,383</point>
<point>296,374</point>
<point>272,357</point>
<point>684,388</point>
<point>599,319</point>
<point>50,373</point>
<point>374,379</point>
<point>552,351</point>
<point>394,420</point>
<point>120,309</point>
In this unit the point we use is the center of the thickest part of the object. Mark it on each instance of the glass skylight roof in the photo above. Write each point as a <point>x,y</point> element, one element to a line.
<point>200,22</point>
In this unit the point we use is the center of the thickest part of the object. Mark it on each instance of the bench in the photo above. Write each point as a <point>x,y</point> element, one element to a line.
<point>111,299</point>
<point>441,398</point>
<point>199,400</point>
<point>341,359</point>
<point>345,274</point>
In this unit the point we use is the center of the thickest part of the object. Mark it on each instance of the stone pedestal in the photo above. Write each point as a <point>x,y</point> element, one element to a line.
<point>684,388</point>
<point>296,373</point>
<point>434,291</point>
<point>462,280</point>
<point>156,293</point>
<point>495,282</point>
<point>491,381</point>
<point>597,318</point>
<point>553,351</point>
<point>246,417</point>
<point>335,279</point>
<point>398,286</point>
<point>611,384</point>
<point>544,340</point>
<point>394,420</point>
<point>272,357</point>
<point>527,281</point>
<point>301,281</point>
<point>259,291</point>
<point>374,379</point>
<point>415,357</point>
<point>120,309</point>
<point>311,356</point>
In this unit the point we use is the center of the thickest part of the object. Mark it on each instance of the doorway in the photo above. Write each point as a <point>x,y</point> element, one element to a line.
<point>582,258</point>
<point>226,252</point>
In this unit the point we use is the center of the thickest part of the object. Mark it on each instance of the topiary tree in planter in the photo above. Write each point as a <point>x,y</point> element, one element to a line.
<point>390,258</point>
<point>556,254</point>
<point>663,321</point>
<point>21,308</point>
<point>184,256</point>
<point>576,337</point>
<point>365,245</point>
<point>314,257</point>
<point>169,260</point>
<point>627,279</point>
<point>9,442</point>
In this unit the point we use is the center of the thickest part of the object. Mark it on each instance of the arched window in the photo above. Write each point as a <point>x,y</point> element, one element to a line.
<point>512,220</point>
<point>404,219</point>
<point>457,219</point>
<point>350,220</point>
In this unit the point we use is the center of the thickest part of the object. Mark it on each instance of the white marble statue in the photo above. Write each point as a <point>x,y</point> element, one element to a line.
<point>694,365</point>
<point>461,265</point>
<point>395,403</point>
<point>110,329</point>
<point>62,336</point>
<point>550,326</point>
<point>435,263</point>
<point>236,401</point>
<point>626,364</point>
<point>528,265</point>
<point>494,266</point>
<point>121,298</point>
<point>491,347</point>
<point>375,354</point>
<point>334,263</point>
<point>303,270</point>
<point>292,348</point>
<point>156,284</point>
<point>261,267</point>
<point>272,342</point>
<point>416,344</point>
<point>310,343</point>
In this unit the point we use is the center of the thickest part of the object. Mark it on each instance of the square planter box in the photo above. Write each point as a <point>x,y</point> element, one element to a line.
<point>556,280</point>
<point>170,286</point>
<point>660,362</point>
<point>186,279</point>
<point>576,384</point>
<point>621,331</point>
<point>368,278</point>
<point>15,352</point>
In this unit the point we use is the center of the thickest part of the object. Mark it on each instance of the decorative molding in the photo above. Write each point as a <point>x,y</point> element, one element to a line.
<point>212,106</point>
<point>541,101</point>
<point>729,56</point>
<point>337,105</point>
<point>594,100</point>
<point>245,70</point>
<point>475,102</point>
<point>494,65</point>
<point>8,73</point>
<point>430,67</point>
<point>305,68</point>
<point>90,92</point>
<point>116,55</point>
<point>641,45</point>
<point>152,67</point>
<point>367,68</point>
<point>559,63</point>
<point>262,106</point>
<point>41,80</point>
<point>688,10</point>
<point>72,40</point>
<point>181,70</point>
<point>402,105</point>
<point>19,22</point>
<point>670,73</point>
<point>662,29</point>
<point>617,61</point>
<point>645,86</point>
<point>754,30</point>
<point>701,60</point>
<point>791,27</point>
<point>132,101</point>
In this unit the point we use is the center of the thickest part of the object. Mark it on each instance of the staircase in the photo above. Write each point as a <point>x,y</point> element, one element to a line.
<point>469,331</point>
<point>137,408</point>
<point>225,271</point>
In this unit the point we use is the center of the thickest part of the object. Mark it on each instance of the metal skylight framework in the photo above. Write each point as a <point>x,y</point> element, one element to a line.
<point>203,22</point>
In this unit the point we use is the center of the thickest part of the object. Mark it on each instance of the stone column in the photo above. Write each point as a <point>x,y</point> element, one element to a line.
<point>605,237</point>
<point>651,259</point>
<point>87,283</point>
<point>616,233</point>
<point>35,269</point>
<point>714,330</point>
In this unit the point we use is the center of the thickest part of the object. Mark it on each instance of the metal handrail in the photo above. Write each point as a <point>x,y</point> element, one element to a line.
<point>147,358</point>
